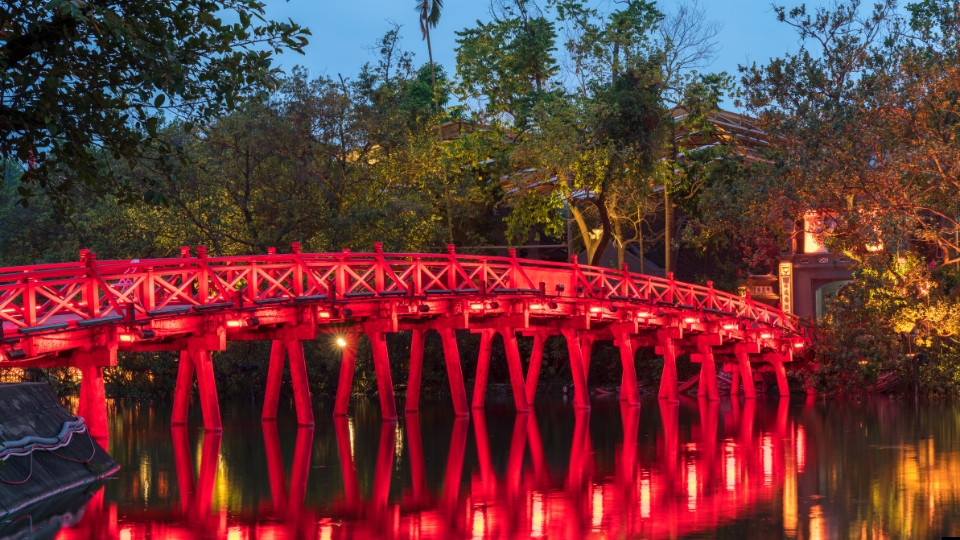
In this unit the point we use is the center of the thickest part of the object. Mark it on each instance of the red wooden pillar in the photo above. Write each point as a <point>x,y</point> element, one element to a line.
<point>483,368</point>
<point>735,382</point>
<point>581,395</point>
<point>381,365</point>
<point>271,398</point>
<point>301,385</point>
<point>515,368</point>
<point>451,357</point>
<point>416,371</point>
<point>629,389</point>
<point>668,381</point>
<point>586,352</point>
<point>199,362</point>
<point>533,369</point>
<point>746,371</point>
<point>181,394</point>
<point>93,404</point>
<point>298,376</point>
<point>776,360</point>
<point>209,403</point>
<point>708,370</point>
<point>348,364</point>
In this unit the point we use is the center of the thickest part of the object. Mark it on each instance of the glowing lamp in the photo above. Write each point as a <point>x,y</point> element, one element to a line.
<point>127,338</point>
<point>324,314</point>
<point>536,306</point>
<point>341,342</point>
<point>644,314</point>
<point>798,345</point>
<point>690,320</point>
<point>476,307</point>
<point>234,324</point>
<point>730,326</point>
<point>766,335</point>
<point>596,309</point>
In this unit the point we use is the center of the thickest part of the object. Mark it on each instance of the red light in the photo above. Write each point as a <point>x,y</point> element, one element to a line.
<point>476,307</point>
<point>766,335</point>
<point>690,320</point>
<point>127,338</point>
<point>324,314</point>
<point>536,306</point>
<point>234,324</point>
<point>596,309</point>
<point>798,345</point>
<point>730,326</point>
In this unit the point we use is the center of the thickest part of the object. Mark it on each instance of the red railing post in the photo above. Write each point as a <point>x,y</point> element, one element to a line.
<point>297,271</point>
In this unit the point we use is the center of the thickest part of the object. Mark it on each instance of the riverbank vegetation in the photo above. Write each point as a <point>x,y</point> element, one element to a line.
<point>557,114</point>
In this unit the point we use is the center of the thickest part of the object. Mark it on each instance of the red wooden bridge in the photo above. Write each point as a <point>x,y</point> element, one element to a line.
<point>82,314</point>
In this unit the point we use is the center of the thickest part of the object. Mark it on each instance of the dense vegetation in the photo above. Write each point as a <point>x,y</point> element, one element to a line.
<point>570,117</point>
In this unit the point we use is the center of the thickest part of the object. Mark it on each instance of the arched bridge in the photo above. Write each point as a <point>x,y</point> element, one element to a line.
<point>82,314</point>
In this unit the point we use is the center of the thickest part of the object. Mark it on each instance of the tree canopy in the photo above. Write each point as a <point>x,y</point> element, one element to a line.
<point>89,84</point>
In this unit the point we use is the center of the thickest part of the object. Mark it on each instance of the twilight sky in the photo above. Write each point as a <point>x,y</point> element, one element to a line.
<point>342,30</point>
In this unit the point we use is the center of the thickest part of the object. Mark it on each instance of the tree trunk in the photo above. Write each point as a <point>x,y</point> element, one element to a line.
<point>667,230</point>
<point>606,234</point>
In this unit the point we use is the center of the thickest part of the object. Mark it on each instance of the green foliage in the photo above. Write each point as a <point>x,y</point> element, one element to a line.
<point>85,81</point>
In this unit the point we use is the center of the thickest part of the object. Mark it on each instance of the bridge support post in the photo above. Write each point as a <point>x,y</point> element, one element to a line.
<point>483,368</point>
<point>381,365</point>
<point>416,371</point>
<point>451,357</point>
<point>533,369</point>
<point>708,367</point>
<point>629,389</point>
<point>668,381</point>
<point>776,360</point>
<point>298,377</point>
<point>586,352</point>
<point>348,363</point>
<point>199,362</point>
<point>581,396</point>
<point>735,382</point>
<point>516,369</point>
<point>746,371</point>
<point>93,403</point>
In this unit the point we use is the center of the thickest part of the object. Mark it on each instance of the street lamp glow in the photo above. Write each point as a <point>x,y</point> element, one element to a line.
<point>341,342</point>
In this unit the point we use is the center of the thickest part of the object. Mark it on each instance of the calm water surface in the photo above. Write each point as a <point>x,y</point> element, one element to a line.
<point>770,469</point>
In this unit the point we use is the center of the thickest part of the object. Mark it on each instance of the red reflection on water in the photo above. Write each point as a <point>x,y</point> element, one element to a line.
<point>685,483</point>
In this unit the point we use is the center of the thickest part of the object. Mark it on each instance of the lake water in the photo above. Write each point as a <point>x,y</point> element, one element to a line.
<point>804,469</point>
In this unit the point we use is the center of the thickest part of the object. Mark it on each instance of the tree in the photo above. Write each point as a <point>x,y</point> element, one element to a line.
<point>429,11</point>
<point>85,81</point>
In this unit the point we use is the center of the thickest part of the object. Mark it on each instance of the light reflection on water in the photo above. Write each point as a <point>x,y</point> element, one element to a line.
<point>734,469</point>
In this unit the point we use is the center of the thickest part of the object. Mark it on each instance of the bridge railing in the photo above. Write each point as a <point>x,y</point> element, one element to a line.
<point>89,292</point>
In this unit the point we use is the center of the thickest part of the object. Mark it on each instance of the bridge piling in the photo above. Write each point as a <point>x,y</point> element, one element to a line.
<point>629,389</point>
<point>298,378</point>
<point>451,356</point>
<point>746,371</point>
<point>581,395</point>
<point>708,367</point>
<point>515,369</point>
<point>416,371</point>
<point>348,364</point>
<point>776,360</point>
<point>533,368</point>
<point>483,368</point>
<point>381,366</point>
<point>93,403</point>
<point>669,390</point>
<point>735,382</point>
<point>271,397</point>
<point>209,402</point>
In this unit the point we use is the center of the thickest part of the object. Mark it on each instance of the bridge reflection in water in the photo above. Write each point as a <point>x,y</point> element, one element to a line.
<point>615,471</point>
